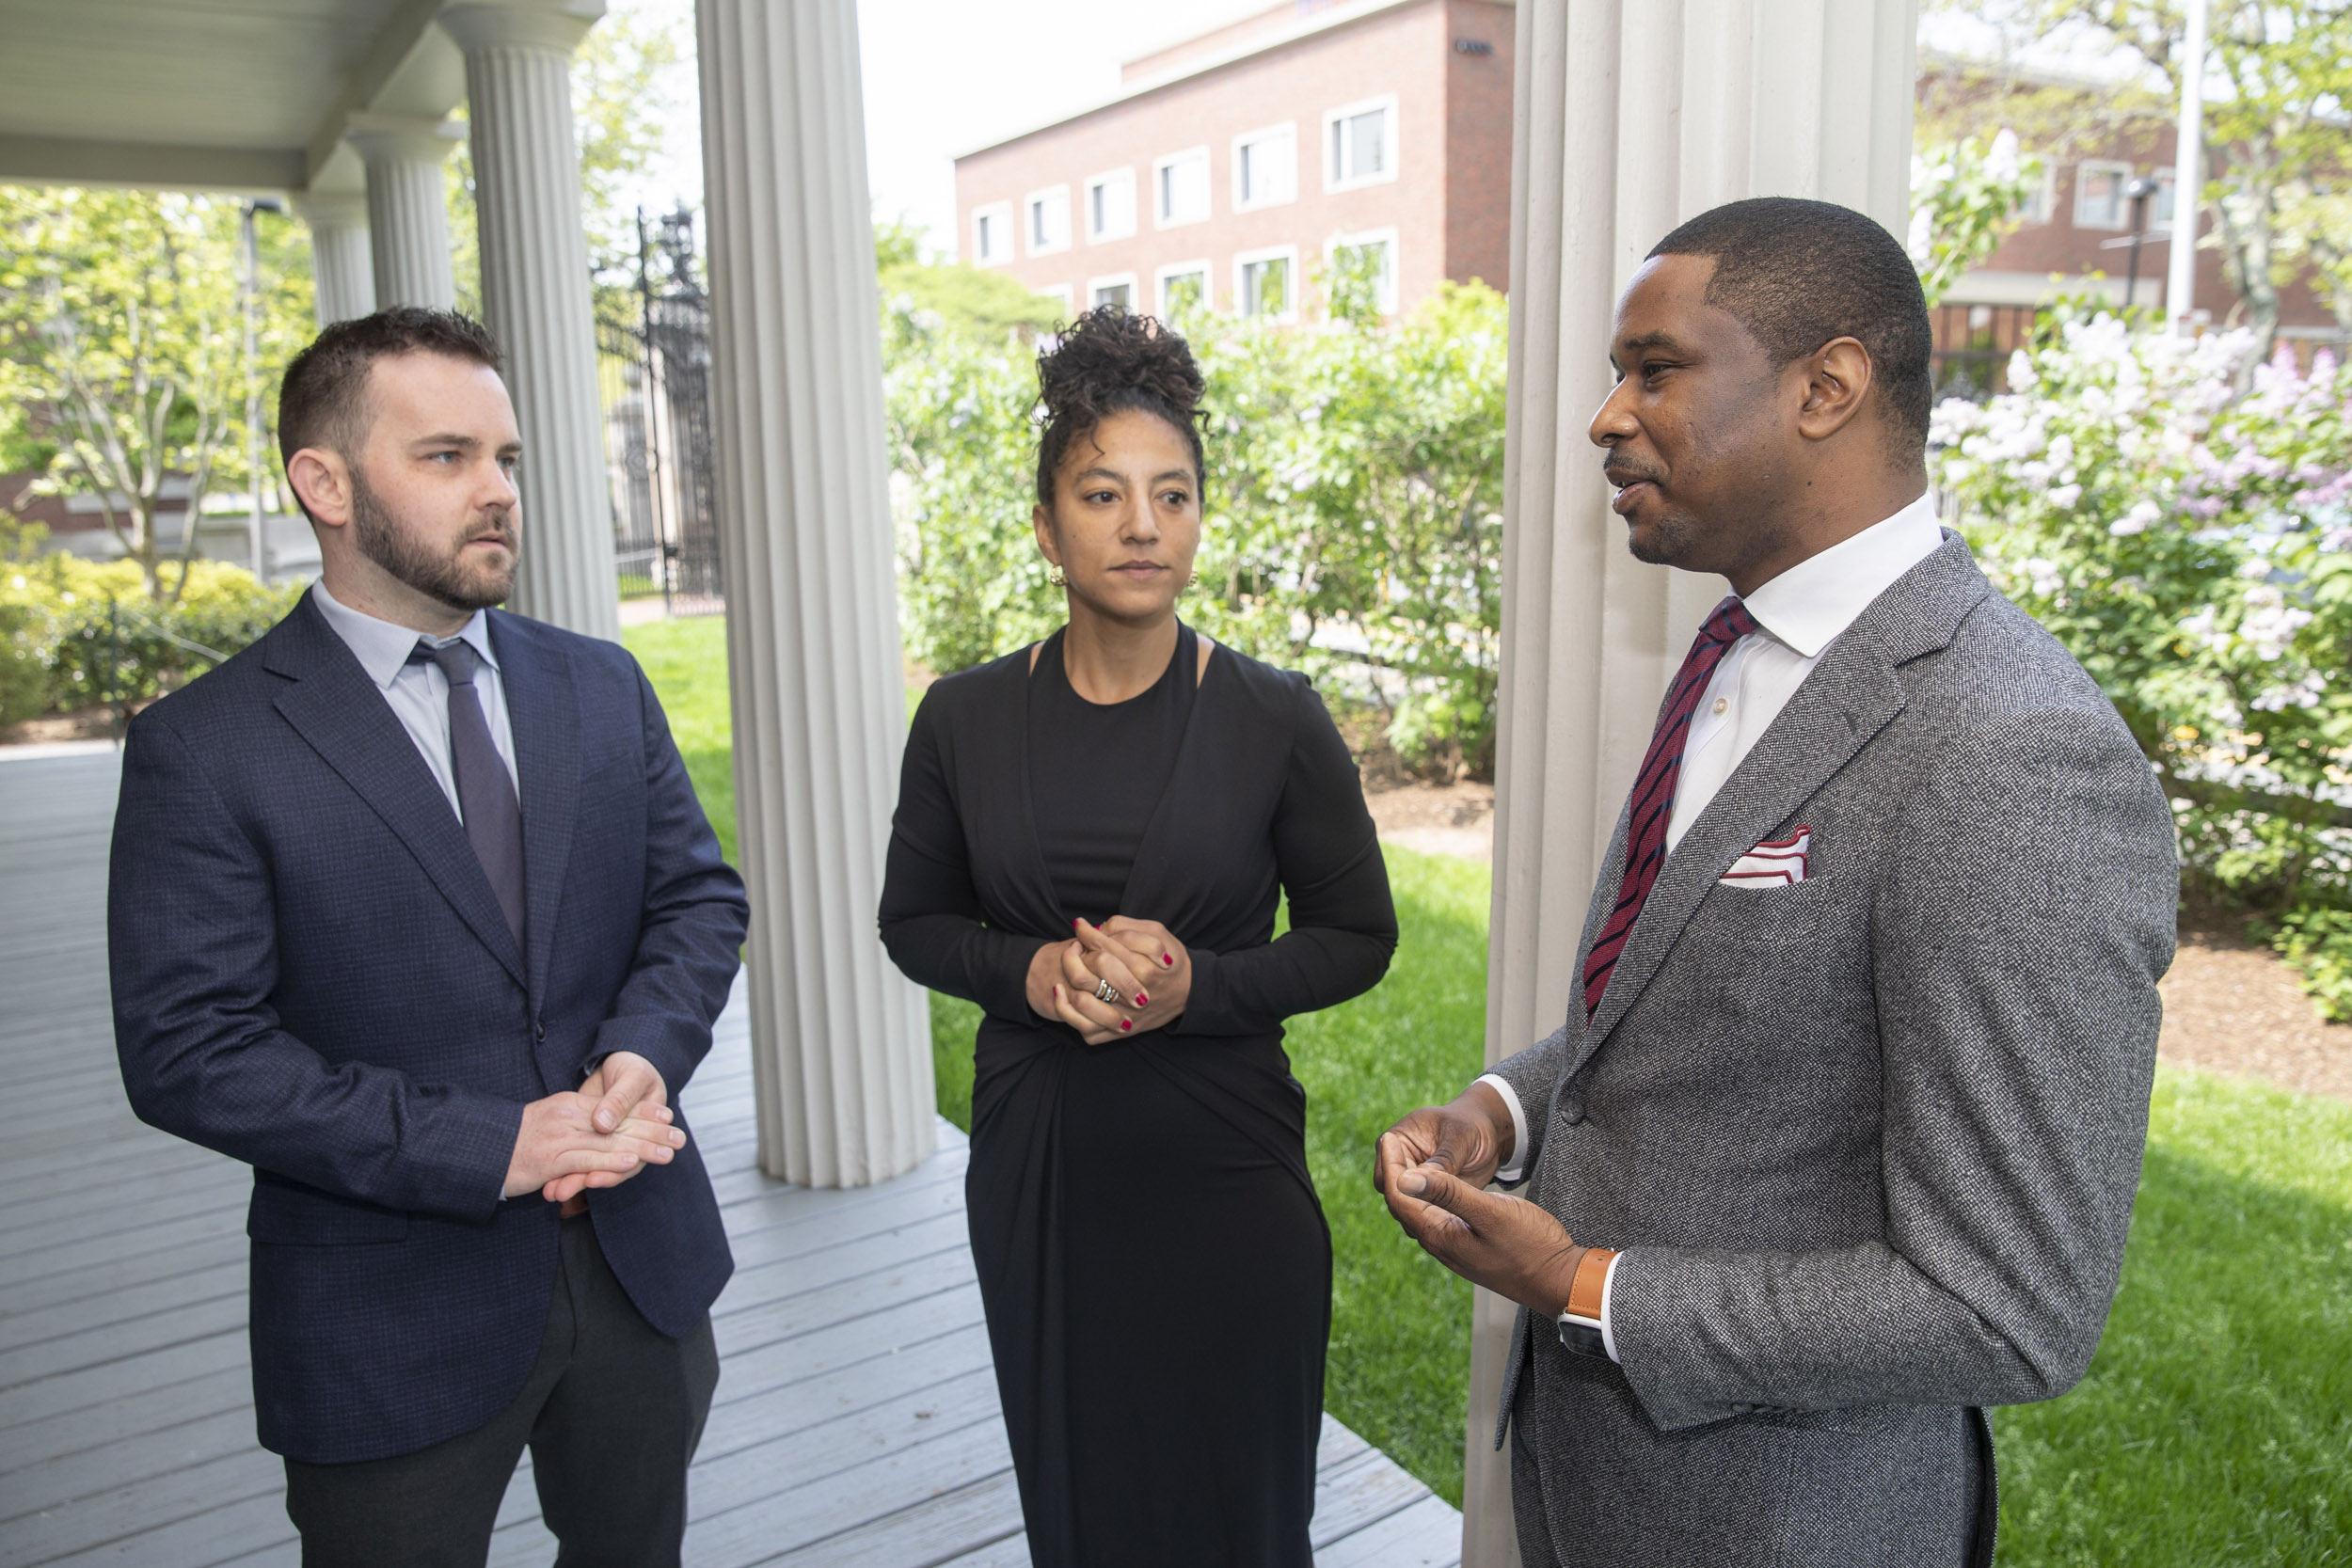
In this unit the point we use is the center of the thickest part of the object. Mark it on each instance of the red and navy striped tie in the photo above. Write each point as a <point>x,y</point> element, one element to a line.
<point>1654,790</point>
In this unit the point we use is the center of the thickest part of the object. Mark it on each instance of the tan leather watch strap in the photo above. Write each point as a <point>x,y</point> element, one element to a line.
<point>1592,1272</point>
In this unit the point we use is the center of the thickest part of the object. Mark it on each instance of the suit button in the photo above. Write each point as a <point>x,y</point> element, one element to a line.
<point>541,1030</point>
<point>1571,1109</point>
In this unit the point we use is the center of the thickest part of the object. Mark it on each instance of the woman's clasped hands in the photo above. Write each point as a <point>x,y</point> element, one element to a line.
<point>1146,970</point>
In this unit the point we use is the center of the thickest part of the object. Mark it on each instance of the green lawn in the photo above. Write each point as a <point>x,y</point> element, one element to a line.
<point>2215,1426</point>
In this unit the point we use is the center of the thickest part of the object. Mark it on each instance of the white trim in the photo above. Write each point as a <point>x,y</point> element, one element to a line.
<point>2123,172</point>
<point>1057,291</point>
<point>1395,138</point>
<point>1029,220</point>
<point>1116,280</point>
<point>1289,128</point>
<point>1388,237</point>
<point>1095,182</point>
<point>1003,211</point>
<point>1202,269</point>
<point>1285,253</point>
<point>1208,197</point>
<point>2040,288</point>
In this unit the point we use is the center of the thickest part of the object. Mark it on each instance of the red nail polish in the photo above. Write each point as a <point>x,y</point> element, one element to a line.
<point>1169,959</point>
<point>1126,1023</point>
<point>1141,1000</point>
<point>1074,925</point>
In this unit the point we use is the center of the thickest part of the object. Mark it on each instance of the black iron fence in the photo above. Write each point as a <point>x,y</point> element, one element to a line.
<point>1972,345</point>
<point>654,369</point>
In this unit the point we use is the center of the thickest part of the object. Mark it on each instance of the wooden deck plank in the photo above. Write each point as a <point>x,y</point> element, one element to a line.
<point>856,1421</point>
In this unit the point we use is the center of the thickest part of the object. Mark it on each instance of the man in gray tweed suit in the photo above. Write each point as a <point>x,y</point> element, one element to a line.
<point>1840,1142</point>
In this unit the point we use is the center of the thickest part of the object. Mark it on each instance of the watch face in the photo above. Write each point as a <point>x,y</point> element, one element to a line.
<point>1583,1338</point>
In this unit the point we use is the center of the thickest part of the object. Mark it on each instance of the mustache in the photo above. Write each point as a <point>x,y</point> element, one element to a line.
<point>1622,474</point>
<point>500,527</point>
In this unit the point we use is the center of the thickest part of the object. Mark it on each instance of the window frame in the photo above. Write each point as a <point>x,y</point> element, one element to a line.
<point>998,210</point>
<point>1060,293</point>
<point>1249,138</point>
<point>1202,268</point>
<point>1096,182</point>
<point>2123,173</point>
<point>1029,228</point>
<point>1392,144</point>
<point>2166,182</point>
<point>1388,236</point>
<point>1116,279</point>
<point>1243,259</point>
<point>1208,204</point>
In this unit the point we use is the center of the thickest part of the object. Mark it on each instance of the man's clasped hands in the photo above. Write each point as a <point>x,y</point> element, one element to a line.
<point>615,1124</point>
<point>1140,959</point>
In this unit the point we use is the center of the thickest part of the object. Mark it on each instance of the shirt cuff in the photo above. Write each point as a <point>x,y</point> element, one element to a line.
<point>1515,1172</point>
<point>1608,1285</point>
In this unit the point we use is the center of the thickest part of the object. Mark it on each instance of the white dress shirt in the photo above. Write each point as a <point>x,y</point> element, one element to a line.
<point>1798,615</point>
<point>418,693</point>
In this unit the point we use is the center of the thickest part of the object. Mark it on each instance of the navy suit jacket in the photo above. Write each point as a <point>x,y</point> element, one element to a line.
<point>311,974</point>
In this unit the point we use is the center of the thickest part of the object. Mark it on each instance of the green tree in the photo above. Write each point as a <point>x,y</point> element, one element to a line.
<point>961,295</point>
<point>122,352</point>
<point>1965,199</point>
<point>2278,81</point>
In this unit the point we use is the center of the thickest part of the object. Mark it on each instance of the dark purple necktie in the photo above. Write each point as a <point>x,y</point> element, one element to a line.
<point>1654,790</point>
<point>485,791</point>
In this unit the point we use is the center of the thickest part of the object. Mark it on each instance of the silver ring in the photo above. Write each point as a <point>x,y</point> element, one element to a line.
<point>1105,991</point>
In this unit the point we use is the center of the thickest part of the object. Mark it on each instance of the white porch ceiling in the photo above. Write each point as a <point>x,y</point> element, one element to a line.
<point>219,94</point>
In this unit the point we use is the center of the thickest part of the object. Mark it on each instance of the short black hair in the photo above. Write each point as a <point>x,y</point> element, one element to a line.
<point>321,401</point>
<point>1107,362</point>
<point>1798,273</point>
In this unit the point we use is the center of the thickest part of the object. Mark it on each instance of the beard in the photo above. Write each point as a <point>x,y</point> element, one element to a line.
<point>445,576</point>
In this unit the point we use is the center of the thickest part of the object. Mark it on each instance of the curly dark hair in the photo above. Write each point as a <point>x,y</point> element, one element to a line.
<point>1107,362</point>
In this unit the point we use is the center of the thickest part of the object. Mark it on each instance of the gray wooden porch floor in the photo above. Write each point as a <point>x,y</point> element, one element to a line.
<point>856,1421</point>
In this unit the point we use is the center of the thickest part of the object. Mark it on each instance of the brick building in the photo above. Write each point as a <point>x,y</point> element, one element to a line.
<point>1230,166</point>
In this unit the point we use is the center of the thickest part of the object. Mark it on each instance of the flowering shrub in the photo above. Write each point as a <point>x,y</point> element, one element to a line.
<point>2191,542</point>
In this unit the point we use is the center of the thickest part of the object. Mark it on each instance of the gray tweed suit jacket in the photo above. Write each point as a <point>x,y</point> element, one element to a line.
<point>1868,1142</point>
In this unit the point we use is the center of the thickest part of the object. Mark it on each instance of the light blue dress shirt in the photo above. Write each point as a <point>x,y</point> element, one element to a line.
<point>418,693</point>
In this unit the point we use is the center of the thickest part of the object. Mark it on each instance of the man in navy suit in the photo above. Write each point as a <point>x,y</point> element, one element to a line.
<point>414,910</point>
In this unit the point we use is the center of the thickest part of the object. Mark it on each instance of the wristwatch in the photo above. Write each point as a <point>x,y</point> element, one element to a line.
<point>1580,1326</point>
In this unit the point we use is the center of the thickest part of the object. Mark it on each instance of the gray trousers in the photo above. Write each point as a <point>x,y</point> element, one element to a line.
<point>612,1414</point>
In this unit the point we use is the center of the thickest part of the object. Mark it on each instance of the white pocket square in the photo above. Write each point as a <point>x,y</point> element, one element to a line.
<point>1774,863</point>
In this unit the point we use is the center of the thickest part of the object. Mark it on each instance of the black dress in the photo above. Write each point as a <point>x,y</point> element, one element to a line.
<point>1153,1264</point>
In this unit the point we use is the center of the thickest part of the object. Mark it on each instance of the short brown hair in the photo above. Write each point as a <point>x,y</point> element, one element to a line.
<point>321,402</point>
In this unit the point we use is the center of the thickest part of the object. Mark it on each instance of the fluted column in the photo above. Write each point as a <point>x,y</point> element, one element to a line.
<point>841,1041</point>
<point>408,209</point>
<point>1631,116</point>
<point>534,296</point>
<point>342,271</point>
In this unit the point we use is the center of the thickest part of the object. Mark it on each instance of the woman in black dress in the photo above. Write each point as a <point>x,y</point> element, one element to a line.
<point>1091,837</point>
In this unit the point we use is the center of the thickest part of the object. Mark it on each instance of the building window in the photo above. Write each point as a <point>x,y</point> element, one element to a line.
<point>2160,204</point>
<point>1183,288</point>
<point>2099,199</point>
<point>1265,168</point>
<point>1265,281</point>
<point>1119,290</point>
<point>1181,187</point>
<point>992,233</point>
<point>2041,201</point>
<point>1371,255</point>
<point>1059,294</point>
<point>1111,206</point>
<point>1049,220</point>
<point>1359,142</point>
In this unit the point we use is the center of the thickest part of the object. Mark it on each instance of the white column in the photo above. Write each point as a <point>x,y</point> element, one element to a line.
<point>1631,116</point>
<point>341,268</point>
<point>841,1041</point>
<point>408,209</point>
<point>535,297</point>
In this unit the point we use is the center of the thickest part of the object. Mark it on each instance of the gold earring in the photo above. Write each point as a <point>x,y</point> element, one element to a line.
<point>1055,574</point>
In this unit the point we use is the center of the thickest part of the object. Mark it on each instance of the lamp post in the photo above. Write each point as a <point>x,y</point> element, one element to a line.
<point>256,551</point>
<point>2140,190</point>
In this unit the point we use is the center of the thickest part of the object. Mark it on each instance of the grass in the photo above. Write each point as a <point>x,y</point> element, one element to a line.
<point>2214,1426</point>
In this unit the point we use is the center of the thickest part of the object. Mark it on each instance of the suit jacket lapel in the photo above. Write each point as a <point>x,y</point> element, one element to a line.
<point>1847,698</point>
<point>337,710</point>
<point>543,710</point>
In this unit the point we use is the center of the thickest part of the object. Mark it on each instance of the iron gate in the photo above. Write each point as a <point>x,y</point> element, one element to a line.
<point>654,363</point>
